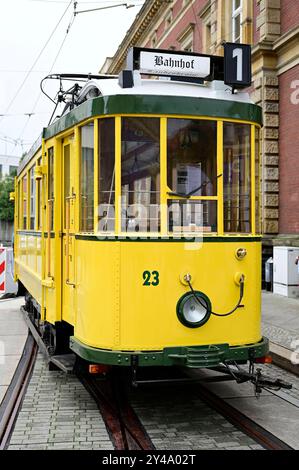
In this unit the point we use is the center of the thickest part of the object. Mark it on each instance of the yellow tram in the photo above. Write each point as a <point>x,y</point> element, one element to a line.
<point>137,221</point>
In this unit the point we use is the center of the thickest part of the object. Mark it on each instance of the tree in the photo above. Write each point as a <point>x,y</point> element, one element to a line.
<point>6,206</point>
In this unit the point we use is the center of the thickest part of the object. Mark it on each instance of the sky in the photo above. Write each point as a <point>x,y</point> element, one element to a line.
<point>26,27</point>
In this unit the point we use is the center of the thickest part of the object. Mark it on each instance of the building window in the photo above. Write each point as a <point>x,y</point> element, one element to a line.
<point>237,20</point>
<point>32,198</point>
<point>168,20</point>
<point>154,39</point>
<point>186,38</point>
<point>208,38</point>
<point>87,179</point>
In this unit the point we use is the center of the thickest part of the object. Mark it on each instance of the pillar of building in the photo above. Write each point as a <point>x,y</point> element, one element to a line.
<point>266,94</point>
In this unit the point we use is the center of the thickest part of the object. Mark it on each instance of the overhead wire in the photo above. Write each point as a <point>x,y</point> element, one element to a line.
<point>35,61</point>
<point>51,68</point>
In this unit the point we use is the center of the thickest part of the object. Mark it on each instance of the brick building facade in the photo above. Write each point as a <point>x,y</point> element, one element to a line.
<point>272,28</point>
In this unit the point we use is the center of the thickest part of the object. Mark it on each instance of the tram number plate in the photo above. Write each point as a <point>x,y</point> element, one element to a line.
<point>151,278</point>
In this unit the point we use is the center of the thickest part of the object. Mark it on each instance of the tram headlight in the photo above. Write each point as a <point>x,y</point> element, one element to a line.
<point>194,312</point>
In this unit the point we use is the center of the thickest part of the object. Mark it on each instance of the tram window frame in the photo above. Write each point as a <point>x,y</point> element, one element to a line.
<point>20,204</point>
<point>258,181</point>
<point>204,219</point>
<point>106,178</point>
<point>24,201</point>
<point>237,187</point>
<point>141,185</point>
<point>39,199</point>
<point>32,198</point>
<point>51,185</point>
<point>87,176</point>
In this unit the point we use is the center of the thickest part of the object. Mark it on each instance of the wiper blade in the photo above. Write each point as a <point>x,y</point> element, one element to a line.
<point>188,195</point>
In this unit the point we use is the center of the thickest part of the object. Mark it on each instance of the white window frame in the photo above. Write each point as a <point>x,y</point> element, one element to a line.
<point>235,13</point>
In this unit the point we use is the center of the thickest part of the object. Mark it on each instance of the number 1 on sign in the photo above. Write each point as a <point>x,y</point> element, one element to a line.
<point>238,54</point>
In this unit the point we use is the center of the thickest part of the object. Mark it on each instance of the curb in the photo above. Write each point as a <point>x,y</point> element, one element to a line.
<point>281,357</point>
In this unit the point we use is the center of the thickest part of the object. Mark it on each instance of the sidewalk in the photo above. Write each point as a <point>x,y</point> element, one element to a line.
<point>280,323</point>
<point>13,335</point>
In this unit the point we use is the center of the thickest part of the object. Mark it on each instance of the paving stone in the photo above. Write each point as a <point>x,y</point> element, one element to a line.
<point>55,407</point>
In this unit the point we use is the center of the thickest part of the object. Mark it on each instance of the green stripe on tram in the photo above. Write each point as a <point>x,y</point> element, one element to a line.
<point>152,104</point>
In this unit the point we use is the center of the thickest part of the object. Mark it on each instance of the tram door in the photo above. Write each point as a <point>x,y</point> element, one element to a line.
<point>68,232</point>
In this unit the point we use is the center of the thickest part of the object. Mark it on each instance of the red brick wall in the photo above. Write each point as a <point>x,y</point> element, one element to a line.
<point>289,15</point>
<point>190,16</point>
<point>289,154</point>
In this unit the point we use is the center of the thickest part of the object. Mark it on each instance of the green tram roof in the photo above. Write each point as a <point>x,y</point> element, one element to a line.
<point>163,97</point>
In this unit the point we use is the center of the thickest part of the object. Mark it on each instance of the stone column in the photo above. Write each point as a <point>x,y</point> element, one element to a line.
<point>266,94</point>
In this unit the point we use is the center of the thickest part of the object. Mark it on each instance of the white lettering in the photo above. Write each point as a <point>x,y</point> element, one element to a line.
<point>295,94</point>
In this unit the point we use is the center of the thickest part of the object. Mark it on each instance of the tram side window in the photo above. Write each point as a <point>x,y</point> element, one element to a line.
<point>39,199</point>
<point>24,194</point>
<point>140,174</point>
<point>32,198</point>
<point>19,206</point>
<point>237,178</point>
<point>87,178</point>
<point>106,194</point>
<point>51,187</point>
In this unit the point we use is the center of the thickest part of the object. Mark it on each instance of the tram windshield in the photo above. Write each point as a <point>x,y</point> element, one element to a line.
<point>192,157</point>
<point>140,174</point>
<point>173,177</point>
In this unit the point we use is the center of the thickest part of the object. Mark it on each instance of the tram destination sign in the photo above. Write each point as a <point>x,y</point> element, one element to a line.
<point>160,63</point>
<point>169,63</point>
<point>234,68</point>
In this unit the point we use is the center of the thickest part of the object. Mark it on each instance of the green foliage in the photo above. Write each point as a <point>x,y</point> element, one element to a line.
<point>6,206</point>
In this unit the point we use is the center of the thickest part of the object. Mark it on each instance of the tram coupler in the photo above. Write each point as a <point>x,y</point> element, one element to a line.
<point>258,380</point>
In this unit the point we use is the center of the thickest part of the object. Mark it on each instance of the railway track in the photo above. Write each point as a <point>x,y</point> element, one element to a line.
<point>13,398</point>
<point>124,427</point>
<point>263,437</point>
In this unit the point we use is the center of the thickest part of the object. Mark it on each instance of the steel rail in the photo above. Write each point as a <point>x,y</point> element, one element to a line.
<point>10,405</point>
<point>259,434</point>
<point>123,425</point>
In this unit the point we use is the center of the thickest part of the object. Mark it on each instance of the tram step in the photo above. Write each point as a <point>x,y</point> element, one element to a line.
<point>200,357</point>
<point>65,362</point>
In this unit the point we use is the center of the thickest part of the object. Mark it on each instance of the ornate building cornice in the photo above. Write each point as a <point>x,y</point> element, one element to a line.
<point>141,24</point>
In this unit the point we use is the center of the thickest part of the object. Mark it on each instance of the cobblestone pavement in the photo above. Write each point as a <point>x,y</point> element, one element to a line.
<point>58,413</point>
<point>280,335</point>
<point>276,372</point>
<point>176,419</point>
